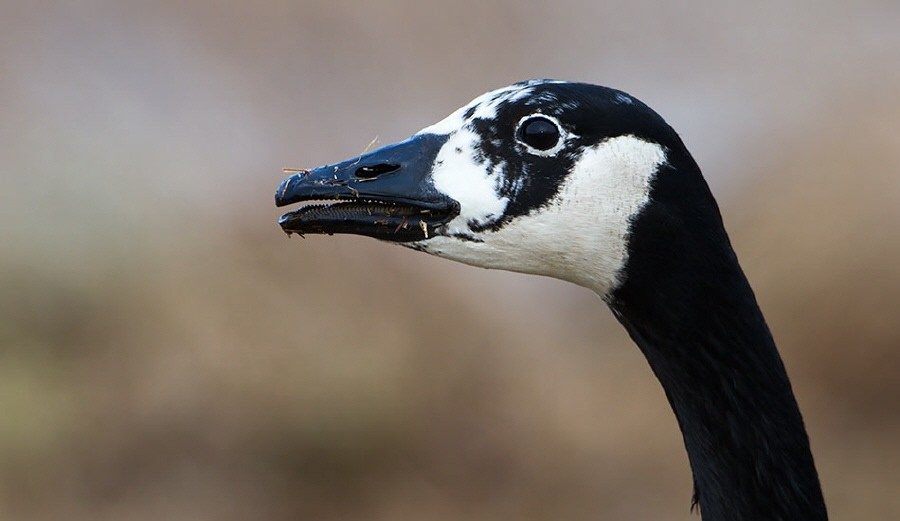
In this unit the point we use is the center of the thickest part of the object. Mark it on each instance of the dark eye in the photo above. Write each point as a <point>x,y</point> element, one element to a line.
<point>539,132</point>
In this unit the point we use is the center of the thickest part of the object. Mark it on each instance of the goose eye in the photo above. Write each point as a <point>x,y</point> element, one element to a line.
<point>539,133</point>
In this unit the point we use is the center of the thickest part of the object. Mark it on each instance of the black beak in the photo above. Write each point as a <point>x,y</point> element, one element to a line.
<point>387,194</point>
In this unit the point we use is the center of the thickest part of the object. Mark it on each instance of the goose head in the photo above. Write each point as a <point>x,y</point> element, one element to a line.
<point>543,177</point>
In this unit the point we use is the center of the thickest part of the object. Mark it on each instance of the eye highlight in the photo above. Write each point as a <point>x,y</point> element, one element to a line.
<point>538,132</point>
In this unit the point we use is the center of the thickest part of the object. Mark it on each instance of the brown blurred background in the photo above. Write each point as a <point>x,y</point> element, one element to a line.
<point>167,353</point>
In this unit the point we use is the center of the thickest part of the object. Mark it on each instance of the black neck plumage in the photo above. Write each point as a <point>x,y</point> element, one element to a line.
<point>687,304</point>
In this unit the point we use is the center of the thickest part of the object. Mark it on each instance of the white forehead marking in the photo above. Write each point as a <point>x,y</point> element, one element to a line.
<point>582,234</point>
<point>485,106</point>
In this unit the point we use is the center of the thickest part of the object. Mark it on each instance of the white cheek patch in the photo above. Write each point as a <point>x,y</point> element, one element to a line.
<point>582,234</point>
<point>457,174</point>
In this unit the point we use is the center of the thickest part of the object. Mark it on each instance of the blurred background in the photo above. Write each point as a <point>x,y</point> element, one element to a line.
<point>167,353</point>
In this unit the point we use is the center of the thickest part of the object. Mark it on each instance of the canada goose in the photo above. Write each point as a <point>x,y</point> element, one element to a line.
<point>587,184</point>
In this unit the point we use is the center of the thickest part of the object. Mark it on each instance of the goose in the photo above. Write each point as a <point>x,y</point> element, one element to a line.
<point>589,185</point>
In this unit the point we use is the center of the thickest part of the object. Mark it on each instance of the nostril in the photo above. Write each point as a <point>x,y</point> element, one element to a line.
<point>373,171</point>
